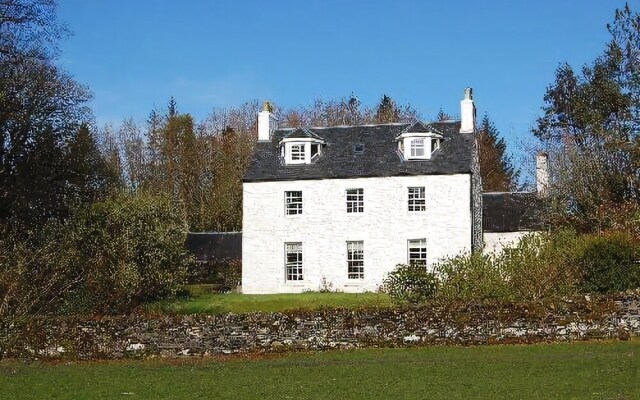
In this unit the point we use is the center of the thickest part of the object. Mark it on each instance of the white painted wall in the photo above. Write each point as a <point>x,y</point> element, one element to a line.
<point>495,242</point>
<point>325,227</point>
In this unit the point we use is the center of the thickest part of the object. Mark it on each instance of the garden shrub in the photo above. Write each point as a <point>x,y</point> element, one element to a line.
<point>542,266</point>
<point>471,277</point>
<point>132,249</point>
<point>608,263</point>
<point>410,283</point>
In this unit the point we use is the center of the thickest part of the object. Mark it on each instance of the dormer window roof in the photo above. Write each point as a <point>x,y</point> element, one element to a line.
<point>418,141</point>
<point>301,146</point>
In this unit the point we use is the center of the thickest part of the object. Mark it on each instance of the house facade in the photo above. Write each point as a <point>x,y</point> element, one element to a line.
<point>340,207</point>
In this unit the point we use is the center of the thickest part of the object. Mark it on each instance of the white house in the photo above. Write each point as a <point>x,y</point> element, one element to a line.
<point>342,206</point>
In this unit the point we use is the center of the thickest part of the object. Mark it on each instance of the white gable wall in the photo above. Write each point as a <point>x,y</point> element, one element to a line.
<point>495,242</point>
<point>325,227</point>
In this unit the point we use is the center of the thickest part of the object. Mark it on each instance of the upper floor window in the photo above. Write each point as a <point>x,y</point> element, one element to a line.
<point>293,263</point>
<point>417,200</point>
<point>293,202</point>
<point>417,251</point>
<point>435,144</point>
<point>355,200</point>
<point>355,260</point>
<point>417,147</point>
<point>297,152</point>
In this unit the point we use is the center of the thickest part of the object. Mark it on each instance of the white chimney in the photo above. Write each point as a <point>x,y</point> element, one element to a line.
<point>467,113</point>
<point>266,122</point>
<point>542,174</point>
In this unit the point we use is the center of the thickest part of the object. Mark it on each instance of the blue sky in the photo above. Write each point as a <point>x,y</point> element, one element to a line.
<point>135,54</point>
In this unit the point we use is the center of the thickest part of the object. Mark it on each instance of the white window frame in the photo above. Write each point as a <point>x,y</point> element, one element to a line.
<point>417,251</point>
<point>355,200</point>
<point>435,144</point>
<point>416,199</point>
<point>293,202</point>
<point>355,260</point>
<point>293,266</point>
<point>297,152</point>
<point>418,144</point>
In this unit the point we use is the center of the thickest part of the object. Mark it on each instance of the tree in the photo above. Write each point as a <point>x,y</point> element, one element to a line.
<point>29,29</point>
<point>442,116</point>
<point>496,167</point>
<point>387,111</point>
<point>41,110</point>
<point>591,129</point>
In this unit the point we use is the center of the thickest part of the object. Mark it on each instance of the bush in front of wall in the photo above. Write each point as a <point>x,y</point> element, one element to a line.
<point>471,277</point>
<point>608,263</point>
<point>410,283</point>
<point>131,250</point>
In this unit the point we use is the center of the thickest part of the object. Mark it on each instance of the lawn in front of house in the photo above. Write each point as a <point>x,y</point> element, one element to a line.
<point>203,301</point>
<point>596,370</point>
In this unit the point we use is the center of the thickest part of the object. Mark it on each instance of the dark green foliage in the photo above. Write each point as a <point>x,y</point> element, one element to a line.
<point>226,273</point>
<point>410,283</point>
<point>609,263</point>
<point>132,251</point>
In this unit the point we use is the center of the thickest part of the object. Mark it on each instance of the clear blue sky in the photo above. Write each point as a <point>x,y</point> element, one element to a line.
<point>135,54</point>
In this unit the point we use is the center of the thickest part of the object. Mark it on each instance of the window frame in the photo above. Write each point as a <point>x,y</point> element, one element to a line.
<point>355,260</point>
<point>415,203</point>
<point>417,246</point>
<point>293,268</point>
<point>355,204</point>
<point>297,152</point>
<point>293,205</point>
<point>415,144</point>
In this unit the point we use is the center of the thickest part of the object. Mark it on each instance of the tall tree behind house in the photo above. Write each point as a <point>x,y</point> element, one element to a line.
<point>591,126</point>
<point>496,166</point>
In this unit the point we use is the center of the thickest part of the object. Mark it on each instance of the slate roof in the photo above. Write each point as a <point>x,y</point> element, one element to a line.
<point>379,159</point>
<point>511,212</point>
<point>302,133</point>
<point>215,246</point>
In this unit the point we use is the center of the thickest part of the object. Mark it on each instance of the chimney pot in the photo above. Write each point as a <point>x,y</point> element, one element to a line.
<point>467,112</point>
<point>542,174</point>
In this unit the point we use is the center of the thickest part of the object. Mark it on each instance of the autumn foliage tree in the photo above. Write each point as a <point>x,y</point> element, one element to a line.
<point>496,166</point>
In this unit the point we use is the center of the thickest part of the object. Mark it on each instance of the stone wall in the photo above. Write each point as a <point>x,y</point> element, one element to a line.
<point>464,324</point>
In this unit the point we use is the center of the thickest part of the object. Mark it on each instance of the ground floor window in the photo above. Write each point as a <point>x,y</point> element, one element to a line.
<point>355,260</point>
<point>293,265</point>
<point>417,251</point>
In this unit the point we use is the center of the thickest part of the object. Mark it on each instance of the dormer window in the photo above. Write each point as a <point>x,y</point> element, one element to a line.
<point>419,141</point>
<point>301,146</point>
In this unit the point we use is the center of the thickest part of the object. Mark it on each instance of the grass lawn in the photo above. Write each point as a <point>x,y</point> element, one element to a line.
<point>204,301</point>
<point>609,370</point>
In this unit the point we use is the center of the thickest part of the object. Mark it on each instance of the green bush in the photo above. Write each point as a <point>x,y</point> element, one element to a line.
<point>410,283</point>
<point>542,266</point>
<point>471,277</point>
<point>132,251</point>
<point>608,263</point>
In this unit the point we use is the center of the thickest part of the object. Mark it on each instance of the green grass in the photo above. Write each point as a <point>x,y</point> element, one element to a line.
<point>203,301</point>
<point>609,370</point>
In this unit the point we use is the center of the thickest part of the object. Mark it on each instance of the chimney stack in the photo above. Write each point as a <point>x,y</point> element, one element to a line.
<point>467,112</point>
<point>266,122</point>
<point>542,174</point>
